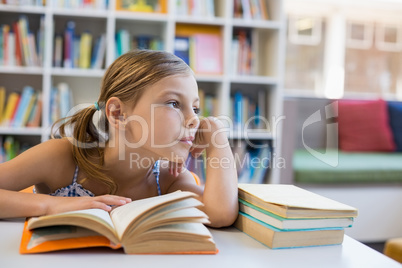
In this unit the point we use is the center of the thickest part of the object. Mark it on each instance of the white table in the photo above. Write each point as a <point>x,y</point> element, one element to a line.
<point>235,250</point>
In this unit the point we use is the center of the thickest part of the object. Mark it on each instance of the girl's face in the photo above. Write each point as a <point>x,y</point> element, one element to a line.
<point>164,120</point>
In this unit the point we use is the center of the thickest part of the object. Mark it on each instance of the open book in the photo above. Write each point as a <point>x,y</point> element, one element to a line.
<point>167,224</point>
<point>290,201</point>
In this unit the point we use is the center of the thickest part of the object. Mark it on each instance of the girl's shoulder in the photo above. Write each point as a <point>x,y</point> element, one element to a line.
<point>56,147</point>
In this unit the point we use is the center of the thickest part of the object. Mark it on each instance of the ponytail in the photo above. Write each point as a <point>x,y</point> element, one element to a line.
<point>86,140</point>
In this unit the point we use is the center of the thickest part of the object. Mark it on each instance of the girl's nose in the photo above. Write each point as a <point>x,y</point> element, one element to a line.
<point>193,121</point>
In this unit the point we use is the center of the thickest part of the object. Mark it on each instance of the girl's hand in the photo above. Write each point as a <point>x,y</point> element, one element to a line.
<point>210,135</point>
<point>176,168</point>
<point>105,202</point>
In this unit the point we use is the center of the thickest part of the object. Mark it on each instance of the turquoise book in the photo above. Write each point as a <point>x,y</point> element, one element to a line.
<point>277,238</point>
<point>293,223</point>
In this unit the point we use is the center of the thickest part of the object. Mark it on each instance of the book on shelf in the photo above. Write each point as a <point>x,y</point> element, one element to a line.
<point>10,108</point>
<point>250,9</point>
<point>34,119</point>
<point>205,8</point>
<point>98,53</point>
<point>23,106</point>
<point>290,201</point>
<point>248,112</point>
<point>253,161</point>
<point>243,59</point>
<point>85,46</point>
<point>19,45</point>
<point>292,223</point>
<point>207,53</point>
<point>182,48</point>
<point>208,103</point>
<point>68,55</point>
<point>167,224</point>
<point>58,51</point>
<point>38,3</point>
<point>125,42</point>
<point>10,147</point>
<point>79,4</point>
<point>2,102</point>
<point>61,101</point>
<point>276,238</point>
<point>149,6</point>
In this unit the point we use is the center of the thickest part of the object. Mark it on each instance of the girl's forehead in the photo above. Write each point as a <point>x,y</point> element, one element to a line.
<point>184,84</point>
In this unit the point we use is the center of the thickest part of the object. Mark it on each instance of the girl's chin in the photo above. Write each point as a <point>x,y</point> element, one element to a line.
<point>172,156</point>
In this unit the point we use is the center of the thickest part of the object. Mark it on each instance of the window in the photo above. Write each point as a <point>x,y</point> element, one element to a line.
<point>304,54</point>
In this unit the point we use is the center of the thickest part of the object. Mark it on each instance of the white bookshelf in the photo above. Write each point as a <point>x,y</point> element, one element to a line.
<point>85,83</point>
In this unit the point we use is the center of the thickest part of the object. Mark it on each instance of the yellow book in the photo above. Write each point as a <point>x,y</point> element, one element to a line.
<point>85,50</point>
<point>2,102</point>
<point>12,103</point>
<point>29,110</point>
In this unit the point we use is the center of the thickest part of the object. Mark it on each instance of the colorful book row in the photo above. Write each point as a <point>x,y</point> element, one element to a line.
<point>243,53</point>
<point>202,52</point>
<point>78,4</point>
<point>248,113</point>
<point>253,161</point>
<point>157,6</point>
<point>208,104</point>
<point>20,109</point>
<point>38,3</point>
<point>72,50</point>
<point>125,42</point>
<point>195,8</point>
<point>250,9</point>
<point>19,46</point>
<point>10,148</point>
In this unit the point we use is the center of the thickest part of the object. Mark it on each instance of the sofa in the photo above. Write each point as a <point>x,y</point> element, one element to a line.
<point>350,151</point>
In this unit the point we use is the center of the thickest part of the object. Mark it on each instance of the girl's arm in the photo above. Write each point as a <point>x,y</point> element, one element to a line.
<point>220,192</point>
<point>49,163</point>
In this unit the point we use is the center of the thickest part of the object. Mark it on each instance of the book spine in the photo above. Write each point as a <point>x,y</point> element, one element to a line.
<point>18,45</point>
<point>22,106</point>
<point>69,45</point>
<point>23,29</point>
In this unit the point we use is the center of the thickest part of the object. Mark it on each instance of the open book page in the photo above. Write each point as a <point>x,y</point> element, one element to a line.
<point>123,216</point>
<point>94,214</point>
<point>292,196</point>
<point>95,219</point>
<point>188,215</point>
<point>55,233</point>
<point>182,238</point>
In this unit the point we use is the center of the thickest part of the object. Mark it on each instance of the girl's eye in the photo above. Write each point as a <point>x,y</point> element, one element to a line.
<point>173,104</point>
<point>196,110</point>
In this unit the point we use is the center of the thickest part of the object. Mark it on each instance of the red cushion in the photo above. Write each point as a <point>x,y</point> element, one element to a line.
<point>363,126</point>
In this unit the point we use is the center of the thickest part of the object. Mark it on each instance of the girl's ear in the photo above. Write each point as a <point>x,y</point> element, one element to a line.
<point>114,112</point>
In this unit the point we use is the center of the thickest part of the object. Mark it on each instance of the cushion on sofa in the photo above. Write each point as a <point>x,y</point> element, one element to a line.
<point>364,126</point>
<point>352,167</point>
<point>395,121</point>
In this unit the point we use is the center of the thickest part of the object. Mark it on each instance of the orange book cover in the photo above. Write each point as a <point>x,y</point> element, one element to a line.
<point>30,244</point>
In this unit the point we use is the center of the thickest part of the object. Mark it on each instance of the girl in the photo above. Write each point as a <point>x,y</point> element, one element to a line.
<point>136,149</point>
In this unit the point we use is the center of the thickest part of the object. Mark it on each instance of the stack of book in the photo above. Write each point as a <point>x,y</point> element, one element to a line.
<point>286,216</point>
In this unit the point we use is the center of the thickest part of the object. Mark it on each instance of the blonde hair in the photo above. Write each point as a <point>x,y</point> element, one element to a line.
<point>126,78</point>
